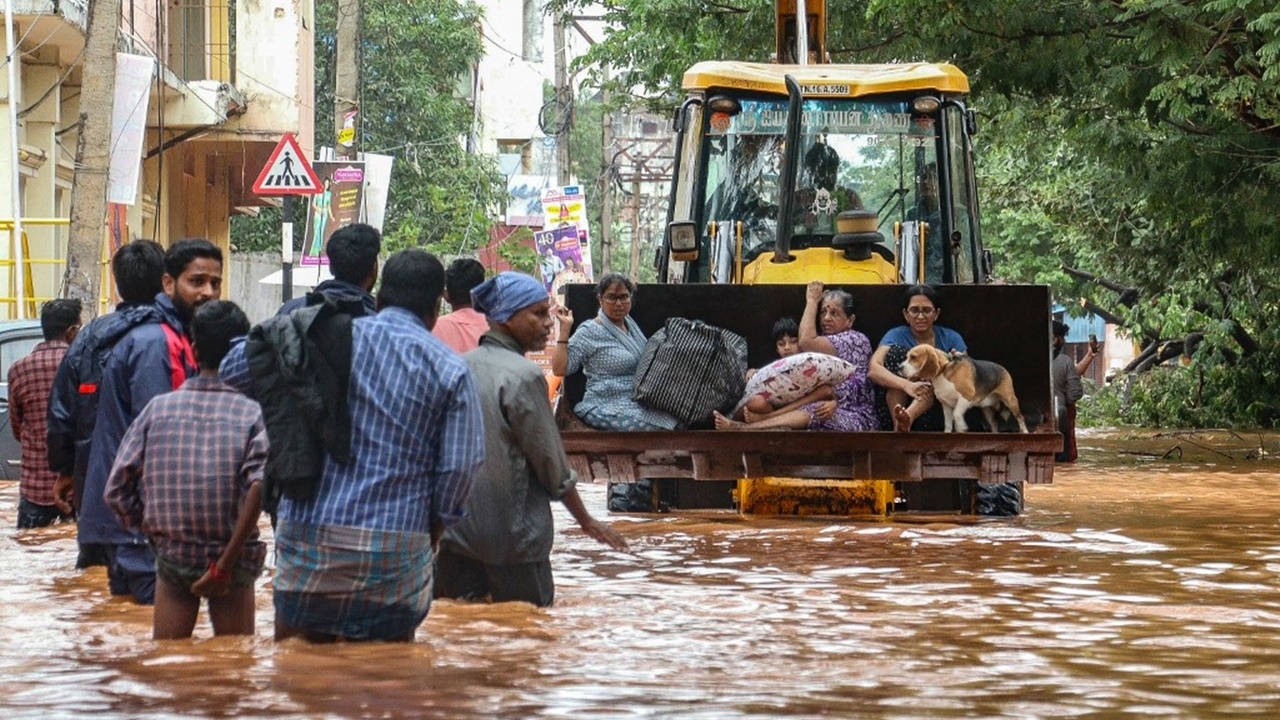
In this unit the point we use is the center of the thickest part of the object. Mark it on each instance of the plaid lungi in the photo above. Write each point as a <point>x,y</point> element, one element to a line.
<point>352,582</point>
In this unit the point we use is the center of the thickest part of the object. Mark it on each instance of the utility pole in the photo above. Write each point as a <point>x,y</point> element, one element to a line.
<point>606,190</point>
<point>346,82</point>
<point>564,100</point>
<point>93,156</point>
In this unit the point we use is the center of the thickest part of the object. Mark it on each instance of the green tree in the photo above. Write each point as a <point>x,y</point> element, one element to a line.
<point>414,58</point>
<point>1135,142</point>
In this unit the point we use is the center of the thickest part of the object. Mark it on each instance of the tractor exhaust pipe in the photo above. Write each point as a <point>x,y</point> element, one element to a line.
<point>787,184</point>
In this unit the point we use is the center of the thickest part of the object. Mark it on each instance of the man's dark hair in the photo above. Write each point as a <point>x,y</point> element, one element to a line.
<point>463,275</point>
<point>57,316</point>
<point>412,279</point>
<point>215,324</point>
<point>181,254</point>
<point>1060,329</point>
<point>138,268</point>
<point>353,252</point>
<point>785,327</point>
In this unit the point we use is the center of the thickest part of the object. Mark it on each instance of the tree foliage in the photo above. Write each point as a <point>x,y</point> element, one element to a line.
<point>414,58</point>
<point>1134,142</point>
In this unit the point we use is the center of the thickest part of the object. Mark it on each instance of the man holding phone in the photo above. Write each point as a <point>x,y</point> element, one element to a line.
<point>1067,388</point>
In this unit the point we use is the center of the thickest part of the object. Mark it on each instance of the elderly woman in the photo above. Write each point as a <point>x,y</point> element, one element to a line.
<point>849,406</point>
<point>907,400</point>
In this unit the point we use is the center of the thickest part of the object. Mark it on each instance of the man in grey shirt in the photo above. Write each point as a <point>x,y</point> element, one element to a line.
<point>501,550</point>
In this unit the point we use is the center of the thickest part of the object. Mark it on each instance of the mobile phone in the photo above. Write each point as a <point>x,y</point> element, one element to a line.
<point>1093,342</point>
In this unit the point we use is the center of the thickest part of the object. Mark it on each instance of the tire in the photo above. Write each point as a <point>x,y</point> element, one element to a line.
<point>631,497</point>
<point>1002,500</point>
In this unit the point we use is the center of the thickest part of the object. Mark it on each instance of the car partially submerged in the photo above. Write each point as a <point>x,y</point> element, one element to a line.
<point>17,339</point>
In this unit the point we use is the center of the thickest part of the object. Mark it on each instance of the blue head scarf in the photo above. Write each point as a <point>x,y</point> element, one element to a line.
<point>506,294</point>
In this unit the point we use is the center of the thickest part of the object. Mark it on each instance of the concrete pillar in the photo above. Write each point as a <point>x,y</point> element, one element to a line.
<point>41,194</point>
<point>8,95</point>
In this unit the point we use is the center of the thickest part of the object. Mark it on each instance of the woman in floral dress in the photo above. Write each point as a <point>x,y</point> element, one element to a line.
<point>847,407</point>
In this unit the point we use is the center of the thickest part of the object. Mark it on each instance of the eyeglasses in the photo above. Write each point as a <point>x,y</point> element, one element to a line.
<point>921,311</point>
<point>616,299</point>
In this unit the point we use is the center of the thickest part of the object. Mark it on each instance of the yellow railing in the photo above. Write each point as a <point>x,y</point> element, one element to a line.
<point>14,302</point>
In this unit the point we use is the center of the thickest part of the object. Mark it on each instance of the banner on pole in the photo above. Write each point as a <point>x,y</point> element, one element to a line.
<point>337,204</point>
<point>128,126</point>
<point>565,232</point>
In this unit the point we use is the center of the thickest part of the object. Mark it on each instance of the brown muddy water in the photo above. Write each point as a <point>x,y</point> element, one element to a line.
<point>1135,586</point>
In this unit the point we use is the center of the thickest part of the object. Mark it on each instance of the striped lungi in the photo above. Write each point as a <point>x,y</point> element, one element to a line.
<point>351,582</point>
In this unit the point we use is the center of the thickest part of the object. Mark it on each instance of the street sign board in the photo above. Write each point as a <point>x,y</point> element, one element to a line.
<point>287,172</point>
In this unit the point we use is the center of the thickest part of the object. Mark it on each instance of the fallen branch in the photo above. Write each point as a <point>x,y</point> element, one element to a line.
<point>1128,295</point>
<point>1148,453</point>
<point>1216,452</point>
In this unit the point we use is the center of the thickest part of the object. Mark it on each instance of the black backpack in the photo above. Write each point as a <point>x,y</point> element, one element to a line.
<point>104,333</point>
<point>77,385</point>
<point>300,363</point>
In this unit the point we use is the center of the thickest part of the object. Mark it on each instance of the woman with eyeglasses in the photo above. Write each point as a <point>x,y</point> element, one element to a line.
<point>907,402</point>
<point>607,349</point>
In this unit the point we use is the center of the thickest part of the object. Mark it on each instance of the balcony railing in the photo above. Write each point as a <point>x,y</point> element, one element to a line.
<point>202,40</point>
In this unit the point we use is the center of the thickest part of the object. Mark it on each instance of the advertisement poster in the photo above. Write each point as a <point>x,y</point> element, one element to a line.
<point>559,257</point>
<point>337,204</point>
<point>524,199</point>
<point>566,207</point>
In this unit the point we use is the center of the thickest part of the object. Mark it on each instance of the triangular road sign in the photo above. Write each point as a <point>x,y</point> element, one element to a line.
<point>287,172</point>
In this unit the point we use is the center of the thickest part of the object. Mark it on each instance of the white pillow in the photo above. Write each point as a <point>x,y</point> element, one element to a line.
<point>791,378</point>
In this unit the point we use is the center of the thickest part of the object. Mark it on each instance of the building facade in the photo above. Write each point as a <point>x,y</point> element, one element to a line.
<point>230,78</point>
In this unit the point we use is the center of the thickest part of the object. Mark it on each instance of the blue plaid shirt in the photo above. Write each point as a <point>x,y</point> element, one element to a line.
<point>417,437</point>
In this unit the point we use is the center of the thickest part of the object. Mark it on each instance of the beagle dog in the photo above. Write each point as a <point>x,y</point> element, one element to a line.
<point>960,382</point>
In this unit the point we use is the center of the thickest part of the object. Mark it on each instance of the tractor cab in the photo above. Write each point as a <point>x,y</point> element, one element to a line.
<point>842,173</point>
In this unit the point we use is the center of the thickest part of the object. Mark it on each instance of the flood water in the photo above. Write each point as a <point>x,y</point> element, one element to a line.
<point>1135,586</point>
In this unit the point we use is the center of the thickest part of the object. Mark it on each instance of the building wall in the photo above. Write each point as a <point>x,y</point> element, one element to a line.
<point>218,119</point>
<point>38,101</point>
<point>258,300</point>
<point>138,20</point>
<point>275,69</point>
<point>511,74</point>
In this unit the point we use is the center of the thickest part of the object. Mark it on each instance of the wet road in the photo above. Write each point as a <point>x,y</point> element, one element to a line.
<point>1135,586</point>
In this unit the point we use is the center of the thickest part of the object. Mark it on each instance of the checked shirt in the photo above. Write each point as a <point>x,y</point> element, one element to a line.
<point>30,380</point>
<point>184,468</point>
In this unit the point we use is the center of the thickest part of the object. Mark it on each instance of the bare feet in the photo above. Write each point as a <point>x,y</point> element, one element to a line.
<point>901,419</point>
<point>724,423</point>
<point>750,416</point>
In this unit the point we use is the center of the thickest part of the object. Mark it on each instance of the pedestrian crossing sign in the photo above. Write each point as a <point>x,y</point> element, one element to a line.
<point>287,172</point>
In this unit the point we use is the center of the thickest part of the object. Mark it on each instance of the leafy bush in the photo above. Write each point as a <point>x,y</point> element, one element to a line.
<point>1187,396</point>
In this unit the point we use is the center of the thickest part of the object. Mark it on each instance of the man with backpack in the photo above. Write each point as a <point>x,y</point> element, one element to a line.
<point>366,495</point>
<point>298,362</point>
<point>138,269</point>
<point>149,360</point>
